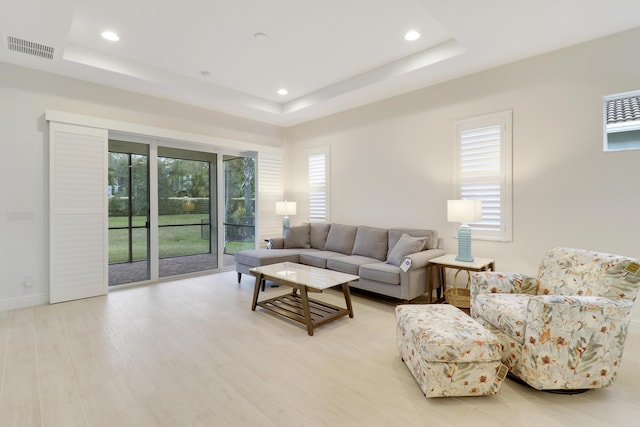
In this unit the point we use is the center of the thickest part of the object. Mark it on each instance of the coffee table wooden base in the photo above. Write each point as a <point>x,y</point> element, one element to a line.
<point>299,307</point>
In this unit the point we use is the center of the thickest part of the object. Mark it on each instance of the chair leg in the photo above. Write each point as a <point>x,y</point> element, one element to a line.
<point>239,277</point>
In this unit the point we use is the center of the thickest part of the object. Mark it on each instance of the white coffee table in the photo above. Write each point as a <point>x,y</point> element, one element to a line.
<point>298,306</point>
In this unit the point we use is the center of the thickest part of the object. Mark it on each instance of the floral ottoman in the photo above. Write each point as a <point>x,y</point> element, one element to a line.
<point>448,353</point>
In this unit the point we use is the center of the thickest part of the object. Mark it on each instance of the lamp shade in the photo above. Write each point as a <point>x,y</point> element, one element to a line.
<point>285,208</point>
<point>464,211</point>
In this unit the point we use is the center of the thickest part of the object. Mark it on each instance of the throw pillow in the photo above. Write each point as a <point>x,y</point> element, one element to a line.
<point>406,245</point>
<point>297,237</point>
<point>371,242</point>
<point>318,234</point>
<point>341,238</point>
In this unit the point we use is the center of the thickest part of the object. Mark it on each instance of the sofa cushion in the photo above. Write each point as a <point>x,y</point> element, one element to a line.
<point>318,232</point>
<point>507,312</point>
<point>260,257</point>
<point>317,258</point>
<point>297,237</point>
<point>431,236</point>
<point>341,238</point>
<point>406,245</point>
<point>348,264</point>
<point>371,242</point>
<point>380,272</point>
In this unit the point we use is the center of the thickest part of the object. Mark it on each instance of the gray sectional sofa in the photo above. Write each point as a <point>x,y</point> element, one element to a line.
<point>391,262</point>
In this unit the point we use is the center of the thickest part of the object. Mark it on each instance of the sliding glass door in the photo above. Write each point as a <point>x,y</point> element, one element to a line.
<point>187,224</point>
<point>240,203</point>
<point>128,195</point>
<point>163,210</point>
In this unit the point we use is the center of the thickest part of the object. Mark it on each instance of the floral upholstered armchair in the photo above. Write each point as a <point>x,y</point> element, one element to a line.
<point>566,329</point>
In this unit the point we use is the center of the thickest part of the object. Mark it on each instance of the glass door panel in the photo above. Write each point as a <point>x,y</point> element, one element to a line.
<point>128,194</point>
<point>186,240</point>
<point>240,202</point>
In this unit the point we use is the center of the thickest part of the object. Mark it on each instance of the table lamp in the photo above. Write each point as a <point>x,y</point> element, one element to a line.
<point>285,208</point>
<point>464,212</point>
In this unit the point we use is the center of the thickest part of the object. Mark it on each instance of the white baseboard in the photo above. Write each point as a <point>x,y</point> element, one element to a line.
<point>22,302</point>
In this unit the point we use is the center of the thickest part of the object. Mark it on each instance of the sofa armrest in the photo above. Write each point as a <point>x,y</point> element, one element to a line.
<point>421,259</point>
<point>491,282</point>
<point>414,280</point>
<point>275,243</point>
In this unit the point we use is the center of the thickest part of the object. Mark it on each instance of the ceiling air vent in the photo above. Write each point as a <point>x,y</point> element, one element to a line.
<point>30,48</point>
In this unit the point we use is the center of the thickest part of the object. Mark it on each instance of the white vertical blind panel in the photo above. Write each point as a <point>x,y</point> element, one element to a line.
<point>78,212</point>
<point>270,191</point>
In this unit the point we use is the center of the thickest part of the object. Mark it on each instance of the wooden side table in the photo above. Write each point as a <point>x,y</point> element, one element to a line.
<point>441,263</point>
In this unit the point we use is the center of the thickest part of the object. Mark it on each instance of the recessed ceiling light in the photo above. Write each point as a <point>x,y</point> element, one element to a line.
<point>110,35</point>
<point>260,36</point>
<point>282,91</point>
<point>412,35</point>
<point>206,74</point>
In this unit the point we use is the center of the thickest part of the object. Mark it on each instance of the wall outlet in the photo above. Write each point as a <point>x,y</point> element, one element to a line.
<point>27,282</point>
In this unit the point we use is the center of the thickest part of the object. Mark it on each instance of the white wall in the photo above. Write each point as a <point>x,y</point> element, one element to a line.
<point>24,96</point>
<point>391,161</point>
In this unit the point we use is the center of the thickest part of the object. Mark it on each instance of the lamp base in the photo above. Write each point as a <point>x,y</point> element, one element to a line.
<point>285,224</point>
<point>464,244</point>
<point>459,258</point>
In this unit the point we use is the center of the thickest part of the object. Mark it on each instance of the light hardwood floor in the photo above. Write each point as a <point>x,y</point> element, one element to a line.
<point>192,353</point>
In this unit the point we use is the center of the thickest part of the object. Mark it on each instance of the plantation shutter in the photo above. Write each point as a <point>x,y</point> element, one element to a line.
<point>483,172</point>
<point>270,190</point>
<point>318,185</point>
<point>78,212</point>
<point>480,173</point>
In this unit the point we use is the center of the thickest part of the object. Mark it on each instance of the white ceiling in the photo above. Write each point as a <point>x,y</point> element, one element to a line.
<point>331,55</point>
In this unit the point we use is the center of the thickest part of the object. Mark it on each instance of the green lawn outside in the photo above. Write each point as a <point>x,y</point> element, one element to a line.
<point>123,221</point>
<point>174,241</point>
<point>118,245</point>
<point>233,247</point>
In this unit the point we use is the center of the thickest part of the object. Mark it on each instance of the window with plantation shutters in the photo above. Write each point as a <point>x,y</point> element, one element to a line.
<point>482,171</point>
<point>318,184</point>
<point>269,170</point>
